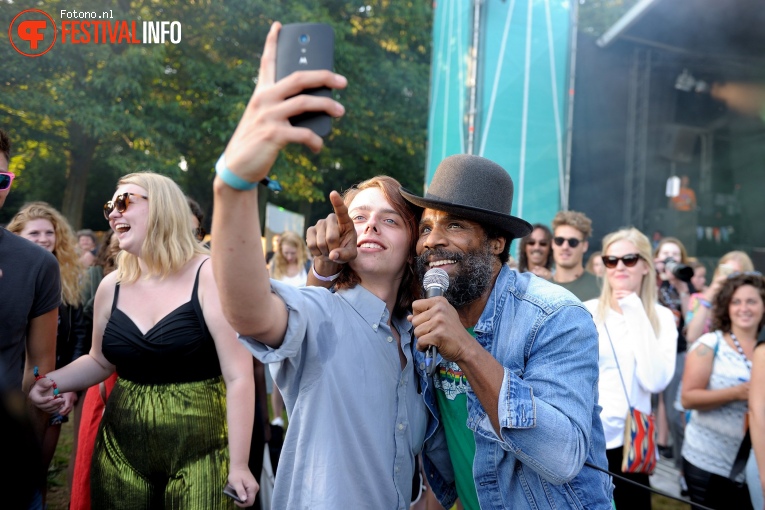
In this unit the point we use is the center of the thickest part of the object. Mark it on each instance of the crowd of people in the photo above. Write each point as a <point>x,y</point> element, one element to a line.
<point>155,344</point>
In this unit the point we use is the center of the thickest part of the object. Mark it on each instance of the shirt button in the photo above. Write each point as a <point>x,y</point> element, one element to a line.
<point>389,339</point>
<point>397,469</point>
<point>400,426</point>
<point>422,365</point>
<point>374,326</point>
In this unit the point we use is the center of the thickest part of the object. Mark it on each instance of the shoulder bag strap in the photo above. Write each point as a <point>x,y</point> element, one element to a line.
<point>616,359</point>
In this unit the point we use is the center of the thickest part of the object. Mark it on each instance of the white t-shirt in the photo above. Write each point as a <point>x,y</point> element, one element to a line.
<point>296,281</point>
<point>646,360</point>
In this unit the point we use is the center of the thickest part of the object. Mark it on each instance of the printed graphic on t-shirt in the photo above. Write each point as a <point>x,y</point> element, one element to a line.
<point>450,380</point>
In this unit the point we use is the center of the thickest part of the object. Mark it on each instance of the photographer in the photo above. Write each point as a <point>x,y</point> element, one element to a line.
<point>673,280</point>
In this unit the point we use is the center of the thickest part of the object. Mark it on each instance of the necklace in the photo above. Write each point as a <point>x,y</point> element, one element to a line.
<point>740,350</point>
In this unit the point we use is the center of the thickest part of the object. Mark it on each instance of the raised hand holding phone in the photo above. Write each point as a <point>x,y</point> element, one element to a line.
<point>265,128</point>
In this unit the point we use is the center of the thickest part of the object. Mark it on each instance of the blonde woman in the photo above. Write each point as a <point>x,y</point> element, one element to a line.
<point>45,226</point>
<point>637,348</point>
<point>699,316</point>
<point>290,263</point>
<point>185,383</point>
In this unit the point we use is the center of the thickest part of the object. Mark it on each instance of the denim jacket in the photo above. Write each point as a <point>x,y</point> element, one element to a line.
<point>548,412</point>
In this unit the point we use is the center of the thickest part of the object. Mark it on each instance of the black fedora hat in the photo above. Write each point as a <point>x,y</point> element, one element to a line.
<point>474,188</point>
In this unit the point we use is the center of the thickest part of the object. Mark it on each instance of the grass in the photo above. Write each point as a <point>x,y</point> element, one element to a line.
<point>58,489</point>
<point>662,503</point>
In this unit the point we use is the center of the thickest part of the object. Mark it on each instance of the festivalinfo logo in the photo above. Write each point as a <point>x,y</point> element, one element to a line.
<point>34,32</point>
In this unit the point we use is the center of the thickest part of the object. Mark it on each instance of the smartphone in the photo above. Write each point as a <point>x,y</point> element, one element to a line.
<point>307,47</point>
<point>229,491</point>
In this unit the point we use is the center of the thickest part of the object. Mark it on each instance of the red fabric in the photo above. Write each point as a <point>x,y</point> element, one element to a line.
<point>92,410</point>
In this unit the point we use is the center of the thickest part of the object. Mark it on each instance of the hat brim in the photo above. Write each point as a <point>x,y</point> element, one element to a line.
<point>513,226</point>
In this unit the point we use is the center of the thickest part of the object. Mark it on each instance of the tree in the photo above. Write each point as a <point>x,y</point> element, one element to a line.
<point>82,115</point>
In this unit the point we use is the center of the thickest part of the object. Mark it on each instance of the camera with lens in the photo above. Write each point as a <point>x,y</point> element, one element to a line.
<point>681,271</point>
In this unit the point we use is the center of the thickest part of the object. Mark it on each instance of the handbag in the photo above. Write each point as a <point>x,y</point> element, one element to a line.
<point>640,451</point>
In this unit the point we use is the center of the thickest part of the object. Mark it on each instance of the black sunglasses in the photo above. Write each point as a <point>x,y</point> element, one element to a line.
<point>6,178</point>
<point>120,203</point>
<point>629,260</point>
<point>572,241</point>
<point>534,242</point>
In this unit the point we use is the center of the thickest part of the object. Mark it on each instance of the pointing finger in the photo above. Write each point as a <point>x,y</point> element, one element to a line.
<point>341,210</point>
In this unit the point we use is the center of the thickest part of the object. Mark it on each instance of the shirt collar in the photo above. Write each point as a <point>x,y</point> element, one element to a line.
<point>371,308</point>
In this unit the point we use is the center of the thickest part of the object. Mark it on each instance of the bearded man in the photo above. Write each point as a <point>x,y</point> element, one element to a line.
<point>517,375</point>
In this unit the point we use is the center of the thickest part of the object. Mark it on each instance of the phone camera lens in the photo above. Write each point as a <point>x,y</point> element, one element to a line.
<point>304,39</point>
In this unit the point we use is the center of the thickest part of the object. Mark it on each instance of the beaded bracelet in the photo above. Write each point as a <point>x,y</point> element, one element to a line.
<point>38,377</point>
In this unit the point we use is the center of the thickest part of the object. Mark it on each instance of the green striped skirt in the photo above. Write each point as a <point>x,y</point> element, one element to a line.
<point>162,446</point>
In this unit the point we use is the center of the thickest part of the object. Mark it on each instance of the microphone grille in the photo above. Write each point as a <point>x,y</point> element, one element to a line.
<point>436,277</point>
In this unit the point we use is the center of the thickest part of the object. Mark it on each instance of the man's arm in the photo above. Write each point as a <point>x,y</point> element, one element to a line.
<point>238,260</point>
<point>41,353</point>
<point>757,408</point>
<point>544,415</point>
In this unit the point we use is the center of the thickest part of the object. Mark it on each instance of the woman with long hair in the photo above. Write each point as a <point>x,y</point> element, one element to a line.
<point>535,252</point>
<point>45,226</point>
<point>637,348</point>
<point>177,424</point>
<point>674,293</point>
<point>716,389</point>
<point>290,262</point>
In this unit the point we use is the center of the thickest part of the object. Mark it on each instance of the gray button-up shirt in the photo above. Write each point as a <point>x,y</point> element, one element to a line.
<point>356,418</point>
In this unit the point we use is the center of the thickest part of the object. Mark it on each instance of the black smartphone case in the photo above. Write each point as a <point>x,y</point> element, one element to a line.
<point>307,47</point>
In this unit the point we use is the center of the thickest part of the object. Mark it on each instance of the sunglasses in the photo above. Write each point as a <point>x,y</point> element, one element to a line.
<point>120,203</point>
<point>200,233</point>
<point>744,273</point>
<point>534,242</point>
<point>6,178</point>
<point>629,260</point>
<point>572,241</point>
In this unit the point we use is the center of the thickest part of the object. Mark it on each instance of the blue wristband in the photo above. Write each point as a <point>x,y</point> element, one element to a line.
<point>230,178</point>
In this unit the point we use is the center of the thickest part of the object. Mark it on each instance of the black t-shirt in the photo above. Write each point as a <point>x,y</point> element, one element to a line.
<point>30,286</point>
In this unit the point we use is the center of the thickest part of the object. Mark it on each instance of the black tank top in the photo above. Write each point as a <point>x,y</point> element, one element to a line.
<point>179,348</point>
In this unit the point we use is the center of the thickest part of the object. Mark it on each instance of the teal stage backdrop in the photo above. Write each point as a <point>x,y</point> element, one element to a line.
<point>516,114</point>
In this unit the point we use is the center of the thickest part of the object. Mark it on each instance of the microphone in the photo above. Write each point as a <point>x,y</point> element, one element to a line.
<point>435,283</point>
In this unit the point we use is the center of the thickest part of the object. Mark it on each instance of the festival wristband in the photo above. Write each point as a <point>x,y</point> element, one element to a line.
<point>325,278</point>
<point>230,178</point>
<point>234,181</point>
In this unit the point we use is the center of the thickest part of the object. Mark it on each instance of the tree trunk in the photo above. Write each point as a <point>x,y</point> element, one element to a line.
<point>80,160</point>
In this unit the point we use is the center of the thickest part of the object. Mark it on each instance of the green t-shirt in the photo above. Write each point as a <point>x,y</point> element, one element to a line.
<point>451,394</point>
<point>585,287</point>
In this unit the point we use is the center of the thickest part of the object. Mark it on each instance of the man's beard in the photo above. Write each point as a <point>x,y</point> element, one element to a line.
<point>474,273</point>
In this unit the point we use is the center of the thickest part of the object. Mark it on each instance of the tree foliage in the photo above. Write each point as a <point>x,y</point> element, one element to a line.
<point>82,115</point>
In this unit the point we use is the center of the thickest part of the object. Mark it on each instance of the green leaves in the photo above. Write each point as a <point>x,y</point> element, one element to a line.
<point>82,115</point>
